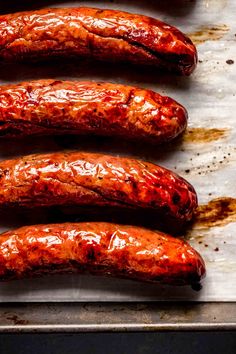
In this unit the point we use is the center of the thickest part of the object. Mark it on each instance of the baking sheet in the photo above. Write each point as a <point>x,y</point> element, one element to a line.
<point>205,156</point>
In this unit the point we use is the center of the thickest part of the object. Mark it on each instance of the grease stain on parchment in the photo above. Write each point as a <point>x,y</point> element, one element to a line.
<point>208,33</point>
<point>217,212</point>
<point>202,135</point>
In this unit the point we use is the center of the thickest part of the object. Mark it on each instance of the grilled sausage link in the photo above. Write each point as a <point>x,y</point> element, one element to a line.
<point>94,33</point>
<point>56,107</point>
<point>99,248</point>
<point>95,179</point>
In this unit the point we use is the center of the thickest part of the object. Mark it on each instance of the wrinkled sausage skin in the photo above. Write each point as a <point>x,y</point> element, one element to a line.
<point>99,248</point>
<point>78,178</point>
<point>98,34</point>
<point>56,107</point>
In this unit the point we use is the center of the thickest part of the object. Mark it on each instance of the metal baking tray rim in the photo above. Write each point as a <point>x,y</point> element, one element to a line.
<point>116,317</point>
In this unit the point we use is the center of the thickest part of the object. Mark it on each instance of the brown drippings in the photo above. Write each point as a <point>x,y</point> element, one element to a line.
<point>16,320</point>
<point>202,135</point>
<point>217,212</point>
<point>208,33</point>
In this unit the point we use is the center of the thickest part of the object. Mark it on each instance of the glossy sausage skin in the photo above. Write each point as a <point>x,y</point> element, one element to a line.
<point>98,248</point>
<point>94,33</point>
<point>78,178</point>
<point>57,107</point>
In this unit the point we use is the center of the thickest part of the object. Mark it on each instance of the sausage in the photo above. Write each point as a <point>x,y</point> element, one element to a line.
<point>57,107</point>
<point>106,35</point>
<point>84,179</point>
<point>99,248</point>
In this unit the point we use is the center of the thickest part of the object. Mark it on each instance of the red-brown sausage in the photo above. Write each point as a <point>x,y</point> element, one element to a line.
<point>99,248</point>
<point>95,179</point>
<point>94,33</point>
<point>56,107</point>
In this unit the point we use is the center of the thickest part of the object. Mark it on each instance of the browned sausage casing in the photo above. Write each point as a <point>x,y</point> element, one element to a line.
<point>94,33</point>
<point>95,179</point>
<point>56,107</point>
<point>99,248</point>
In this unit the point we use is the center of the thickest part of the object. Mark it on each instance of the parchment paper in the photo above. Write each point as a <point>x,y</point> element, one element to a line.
<point>206,156</point>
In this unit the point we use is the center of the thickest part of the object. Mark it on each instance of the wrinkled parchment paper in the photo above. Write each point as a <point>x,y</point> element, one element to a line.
<point>206,156</point>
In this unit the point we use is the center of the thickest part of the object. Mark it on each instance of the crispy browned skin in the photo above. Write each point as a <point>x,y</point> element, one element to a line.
<point>94,33</point>
<point>94,179</point>
<point>56,107</point>
<point>99,248</point>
